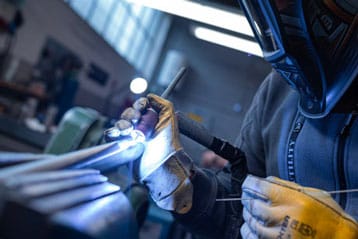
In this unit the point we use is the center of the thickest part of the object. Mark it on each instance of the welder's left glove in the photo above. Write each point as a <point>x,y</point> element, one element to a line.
<point>164,166</point>
<point>275,208</point>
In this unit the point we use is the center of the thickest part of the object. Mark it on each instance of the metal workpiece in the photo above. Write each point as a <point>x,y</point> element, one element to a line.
<point>99,157</point>
<point>109,217</point>
<point>67,199</point>
<point>71,204</point>
<point>113,156</point>
<point>48,177</point>
<point>9,158</point>
<point>47,188</point>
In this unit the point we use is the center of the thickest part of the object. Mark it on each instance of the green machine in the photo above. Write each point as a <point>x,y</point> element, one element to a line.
<point>79,128</point>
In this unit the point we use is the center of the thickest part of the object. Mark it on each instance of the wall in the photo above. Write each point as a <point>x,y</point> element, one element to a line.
<point>218,78</point>
<point>53,18</point>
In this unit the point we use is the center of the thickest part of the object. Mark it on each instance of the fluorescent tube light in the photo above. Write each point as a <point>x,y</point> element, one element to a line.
<point>227,40</point>
<point>201,13</point>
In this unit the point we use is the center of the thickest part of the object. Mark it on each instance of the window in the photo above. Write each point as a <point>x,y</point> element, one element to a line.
<point>100,14</point>
<point>82,7</point>
<point>137,33</point>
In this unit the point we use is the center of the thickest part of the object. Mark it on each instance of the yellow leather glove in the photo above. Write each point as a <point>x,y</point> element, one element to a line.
<point>164,167</point>
<point>275,208</point>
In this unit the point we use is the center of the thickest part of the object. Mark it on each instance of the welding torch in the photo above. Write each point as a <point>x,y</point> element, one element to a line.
<point>187,127</point>
<point>114,154</point>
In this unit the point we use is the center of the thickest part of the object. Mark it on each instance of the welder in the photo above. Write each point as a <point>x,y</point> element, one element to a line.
<point>299,139</point>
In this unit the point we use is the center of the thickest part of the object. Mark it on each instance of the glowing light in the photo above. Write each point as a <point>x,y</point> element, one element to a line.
<point>227,40</point>
<point>126,143</point>
<point>196,11</point>
<point>137,136</point>
<point>138,85</point>
<point>113,132</point>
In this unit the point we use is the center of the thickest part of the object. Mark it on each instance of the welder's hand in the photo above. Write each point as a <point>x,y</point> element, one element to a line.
<point>164,167</point>
<point>275,208</point>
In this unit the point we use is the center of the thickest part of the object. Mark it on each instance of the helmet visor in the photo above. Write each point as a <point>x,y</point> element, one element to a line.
<point>267,35</point>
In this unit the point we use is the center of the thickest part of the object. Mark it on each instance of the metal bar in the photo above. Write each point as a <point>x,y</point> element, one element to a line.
<point>330,192</point>
<point>110,152</point>
<point>174,82</point>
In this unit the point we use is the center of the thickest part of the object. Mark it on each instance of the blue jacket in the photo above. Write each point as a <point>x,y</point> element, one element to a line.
<point>279,141</point>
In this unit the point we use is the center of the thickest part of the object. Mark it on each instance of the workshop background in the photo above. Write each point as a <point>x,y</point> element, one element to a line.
<point>56,55</point>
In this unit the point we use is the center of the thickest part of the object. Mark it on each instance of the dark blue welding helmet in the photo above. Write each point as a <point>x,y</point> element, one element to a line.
<point>313,44</point>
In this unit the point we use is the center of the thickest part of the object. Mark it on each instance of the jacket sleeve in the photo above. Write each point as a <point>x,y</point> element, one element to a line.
<point>207,216</point>
<point>250,139</point>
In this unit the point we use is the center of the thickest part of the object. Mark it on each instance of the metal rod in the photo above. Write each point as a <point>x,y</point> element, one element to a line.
<point>330,192</point>
<point>174,82</point>
<point>78,159</point>
<point>230,199</point>
<point>343,191</point>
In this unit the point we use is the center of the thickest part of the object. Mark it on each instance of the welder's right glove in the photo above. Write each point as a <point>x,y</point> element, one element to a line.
<point>275,208</point>
<point>164,167</point>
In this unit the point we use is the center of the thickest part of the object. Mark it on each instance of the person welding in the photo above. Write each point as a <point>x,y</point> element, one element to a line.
<point>299,139</point>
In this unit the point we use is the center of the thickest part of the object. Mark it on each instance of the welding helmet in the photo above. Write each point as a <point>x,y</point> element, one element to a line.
<point>313,44</point>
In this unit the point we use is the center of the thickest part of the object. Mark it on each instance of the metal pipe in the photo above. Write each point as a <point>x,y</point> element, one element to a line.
<point>110,153</point>
<point>174,82</point>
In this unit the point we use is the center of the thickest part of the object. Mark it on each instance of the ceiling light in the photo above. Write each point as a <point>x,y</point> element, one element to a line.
<point>202,13</point>
<point>227,40</point>
<point>138,85</point>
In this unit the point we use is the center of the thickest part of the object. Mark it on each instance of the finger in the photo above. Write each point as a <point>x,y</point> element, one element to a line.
<point>246,232</point>
<point>131,115</point>
<point>159,104</point>
<point>266,189</point>
<point>124,126</point>
<point>257,228</point>
<point>141,104</point>
<point>257,188</point>
<point>261,210</point>
<point>284,183</point>
<point>112,134</point>
<point>165,110</point>
<point>315,193</point>
<point>308,190</point>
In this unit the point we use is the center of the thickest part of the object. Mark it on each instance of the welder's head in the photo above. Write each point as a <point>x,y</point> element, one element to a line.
<point>312,43</point>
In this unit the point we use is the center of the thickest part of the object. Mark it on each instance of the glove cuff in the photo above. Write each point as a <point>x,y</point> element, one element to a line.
<point>170,186</point>
<point>158,150</point>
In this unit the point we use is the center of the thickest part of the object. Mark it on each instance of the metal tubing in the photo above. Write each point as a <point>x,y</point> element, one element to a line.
<point>85,157</point>
<point>174,82</point>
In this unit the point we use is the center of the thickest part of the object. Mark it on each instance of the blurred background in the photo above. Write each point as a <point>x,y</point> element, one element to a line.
<point>101,55</point>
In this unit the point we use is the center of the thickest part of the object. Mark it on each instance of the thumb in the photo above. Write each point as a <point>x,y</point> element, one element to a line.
<point>159,104</point>
<point>282,182</point>
<point>320,195</point>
